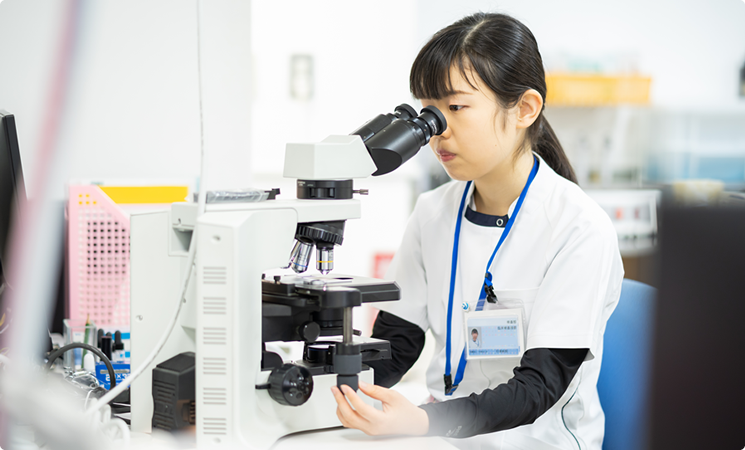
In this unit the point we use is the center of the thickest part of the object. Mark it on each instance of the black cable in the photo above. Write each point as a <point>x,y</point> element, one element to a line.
<point>60,351</point>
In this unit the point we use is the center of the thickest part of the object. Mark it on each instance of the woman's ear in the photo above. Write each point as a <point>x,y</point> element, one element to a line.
<point>529,108</point>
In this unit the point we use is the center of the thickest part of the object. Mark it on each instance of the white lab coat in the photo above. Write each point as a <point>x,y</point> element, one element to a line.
<point>560,262</point>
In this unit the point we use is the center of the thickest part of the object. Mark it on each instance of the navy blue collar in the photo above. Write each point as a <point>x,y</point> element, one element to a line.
<point>485,220</point>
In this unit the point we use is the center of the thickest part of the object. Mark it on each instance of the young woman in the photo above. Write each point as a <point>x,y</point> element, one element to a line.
<point>512,246</point>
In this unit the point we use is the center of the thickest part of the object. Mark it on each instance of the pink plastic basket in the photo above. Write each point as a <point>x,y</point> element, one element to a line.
<point>98,244</point>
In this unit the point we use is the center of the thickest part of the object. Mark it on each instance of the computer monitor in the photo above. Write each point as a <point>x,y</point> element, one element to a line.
<point>12,199</point>
<point>698,369</point>
<point>12,188</point>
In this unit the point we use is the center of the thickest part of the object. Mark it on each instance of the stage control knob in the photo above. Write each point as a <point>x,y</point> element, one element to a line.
<point>290,385</point>
<point>309,331</point>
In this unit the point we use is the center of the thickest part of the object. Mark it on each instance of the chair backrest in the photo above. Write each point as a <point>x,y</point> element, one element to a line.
<point>624,374</point>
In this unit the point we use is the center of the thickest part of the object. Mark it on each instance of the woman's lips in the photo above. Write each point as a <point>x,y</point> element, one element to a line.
<point>445,155</point>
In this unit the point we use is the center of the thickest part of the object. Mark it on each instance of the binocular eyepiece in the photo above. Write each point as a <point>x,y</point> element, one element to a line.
<point>394,138</point>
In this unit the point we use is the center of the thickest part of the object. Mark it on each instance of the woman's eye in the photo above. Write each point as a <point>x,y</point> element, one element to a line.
<point>456,107</point>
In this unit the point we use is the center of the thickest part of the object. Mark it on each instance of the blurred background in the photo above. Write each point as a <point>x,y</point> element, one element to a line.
<point>648,99</point>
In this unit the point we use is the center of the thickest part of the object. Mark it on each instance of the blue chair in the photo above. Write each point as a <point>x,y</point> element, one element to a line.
<point>623,384</point>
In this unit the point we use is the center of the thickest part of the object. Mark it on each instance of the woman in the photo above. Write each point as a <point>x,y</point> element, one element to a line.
<point>512,245</point>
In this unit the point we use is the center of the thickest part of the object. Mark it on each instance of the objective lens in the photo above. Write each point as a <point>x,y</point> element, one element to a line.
<point>325,262</point>
<point>300,256</point>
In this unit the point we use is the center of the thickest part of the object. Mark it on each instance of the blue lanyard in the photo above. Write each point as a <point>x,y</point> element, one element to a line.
<point>487,290</point>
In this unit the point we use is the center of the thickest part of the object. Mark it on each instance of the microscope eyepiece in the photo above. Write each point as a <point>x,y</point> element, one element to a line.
<point>434,119</point>
<point>404,111</point>
<point>393,139</point>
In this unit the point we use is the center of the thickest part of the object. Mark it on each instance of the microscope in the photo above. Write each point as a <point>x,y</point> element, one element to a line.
<point>244,394</point>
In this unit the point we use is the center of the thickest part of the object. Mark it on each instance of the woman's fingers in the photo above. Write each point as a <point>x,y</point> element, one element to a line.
<point>376,392</point>
<point>363,417</point>
<point>348,416</point>
<point>363,409</point>
<point>399,416</point>
<point>340,402</point>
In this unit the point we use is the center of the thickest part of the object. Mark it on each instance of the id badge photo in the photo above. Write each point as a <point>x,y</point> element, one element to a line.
<point>496,333</point>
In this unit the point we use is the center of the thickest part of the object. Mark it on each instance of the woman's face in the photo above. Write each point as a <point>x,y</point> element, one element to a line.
<point>480,138</point>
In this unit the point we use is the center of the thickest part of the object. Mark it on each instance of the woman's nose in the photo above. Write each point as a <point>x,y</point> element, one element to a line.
<point>445,134</point>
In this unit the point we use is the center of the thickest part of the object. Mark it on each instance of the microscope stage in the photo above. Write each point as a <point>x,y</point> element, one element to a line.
<point>326,287</point>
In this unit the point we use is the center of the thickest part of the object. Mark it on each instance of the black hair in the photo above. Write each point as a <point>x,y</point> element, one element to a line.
<point>474,331</point>
<point>504,54</point>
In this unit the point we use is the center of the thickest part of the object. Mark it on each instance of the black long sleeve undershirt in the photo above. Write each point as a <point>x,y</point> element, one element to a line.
<point>541,379</point>
<point>407,342</point>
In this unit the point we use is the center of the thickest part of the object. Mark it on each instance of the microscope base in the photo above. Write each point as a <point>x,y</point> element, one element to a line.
<point>317,413</point>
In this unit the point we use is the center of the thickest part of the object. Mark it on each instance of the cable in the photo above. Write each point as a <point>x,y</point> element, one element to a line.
<point>114,392</point>
<point>60,351</point>
<point>120,426</point>
<point>199,78</point>
<point>110,426</point>
<point>201,205</point>
<point>87,397</point>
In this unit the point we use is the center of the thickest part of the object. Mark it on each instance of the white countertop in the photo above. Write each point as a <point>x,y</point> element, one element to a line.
<point>329,439</point>
<point>345,439</point>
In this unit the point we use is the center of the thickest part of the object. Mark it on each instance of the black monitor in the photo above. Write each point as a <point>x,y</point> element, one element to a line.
<point>12,188</point>
<point>698,369</point>
<point>12,199</point>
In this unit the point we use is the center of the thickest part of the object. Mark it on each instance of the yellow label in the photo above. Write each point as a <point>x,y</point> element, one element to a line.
<point>146,194</point>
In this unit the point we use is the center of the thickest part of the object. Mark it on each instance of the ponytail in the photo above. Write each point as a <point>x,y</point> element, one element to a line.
<point>547,146</point>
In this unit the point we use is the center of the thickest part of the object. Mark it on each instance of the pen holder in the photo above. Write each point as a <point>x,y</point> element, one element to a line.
<point>76,330</point>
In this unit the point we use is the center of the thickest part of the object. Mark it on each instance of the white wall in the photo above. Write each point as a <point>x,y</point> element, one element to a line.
<point>362,52</point>
<point>132,109</point>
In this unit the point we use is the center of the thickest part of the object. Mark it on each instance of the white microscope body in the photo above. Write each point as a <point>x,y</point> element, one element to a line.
<point>221,320</point>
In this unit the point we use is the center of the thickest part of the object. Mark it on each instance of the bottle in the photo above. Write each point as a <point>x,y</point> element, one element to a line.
<point>89,363</point>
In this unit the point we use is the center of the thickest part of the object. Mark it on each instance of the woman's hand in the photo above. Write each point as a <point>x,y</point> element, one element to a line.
<point>399,416</point>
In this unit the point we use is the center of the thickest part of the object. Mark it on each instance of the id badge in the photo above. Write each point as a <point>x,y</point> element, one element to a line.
<point>496,333</point>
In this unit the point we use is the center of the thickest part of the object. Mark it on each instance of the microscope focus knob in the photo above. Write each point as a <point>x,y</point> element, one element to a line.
<point>290,385</point>
<point>309,331</point>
